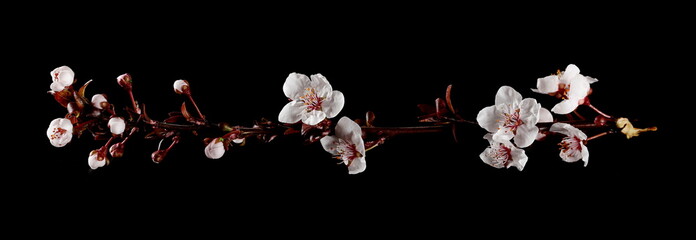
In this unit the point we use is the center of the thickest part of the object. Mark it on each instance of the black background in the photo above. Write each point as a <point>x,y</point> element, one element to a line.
<point>384,60</point>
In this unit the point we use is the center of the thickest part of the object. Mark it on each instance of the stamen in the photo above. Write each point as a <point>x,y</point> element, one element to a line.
<point>311,100</point>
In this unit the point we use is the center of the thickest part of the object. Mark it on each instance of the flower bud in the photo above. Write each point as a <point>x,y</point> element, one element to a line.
<point>72,107</point>
<point>60,132</point>
<point>117,150</point>
<point>117,125</point>
<point>215,149</point>
<point>158,156</point>
<point>125,81</point>
<point>99,101</point>
<point>63,76</point>
<point>181,87</point>
<point>97,159</point>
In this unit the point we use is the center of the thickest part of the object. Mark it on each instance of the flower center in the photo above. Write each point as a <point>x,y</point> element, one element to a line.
<point>57,133</point>
<point>501,155</point>
<point>570,146</point>
<point>311,100</point>
<point>347,153</point>
<point>562,92</point>
<point>512,120</point>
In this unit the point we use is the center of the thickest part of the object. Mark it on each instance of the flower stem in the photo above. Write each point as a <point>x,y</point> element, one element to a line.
<point>135,105</point>
<point>599,135</point>
<point>196,106</point>
<point>393,131</point>
<point>597,110</point>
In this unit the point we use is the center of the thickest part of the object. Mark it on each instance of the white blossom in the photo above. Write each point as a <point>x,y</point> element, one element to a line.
<point>347,145</point>
<point>311,99</point>
<point>60,132</point>
<point>569,85</point>
<point>511,118</point>
<point>573,145</point>
<point>503,154</point>
<point>62,77</point>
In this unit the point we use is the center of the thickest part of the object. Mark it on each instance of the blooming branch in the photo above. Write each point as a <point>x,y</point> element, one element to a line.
<point>512,124</point>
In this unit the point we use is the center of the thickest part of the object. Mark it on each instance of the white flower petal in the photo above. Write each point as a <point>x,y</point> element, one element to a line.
<point>545,115</point>
<point>333,104</point>
<point>313,118</point>
<point>565,107</point>
<point>548,84</point>
<point>568,130</point>
<point>117,125</point>
<point>570,156</point>
<point>585,154</point>
<point>485,157</point>
<point>507,95</point>
<point>570,73</point>
<point>330,144</point>
<point>295,84</point>
<point>488,119</point>
<point>526,134</point>
<point>529,111</point>
<point>348,130</point>
<point>579,87</point>
<point>503,135</point>
<point>57,87</point>
<point>561,128</point>
<point>321,85</point>
<point>519,158</point>
<point>357,166</point>
<point>292,112</point>
<point>591,80</point>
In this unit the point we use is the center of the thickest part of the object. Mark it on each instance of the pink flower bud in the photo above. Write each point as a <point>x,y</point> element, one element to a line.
<point>215,149</point>
<point>117,125</point>
<point>158,156</point>
<point>117,150</point>
<point>97,159</point>
<point>125,81</point>
<point>60,132</point>
<point>181,87</point>
<point>99,101</point>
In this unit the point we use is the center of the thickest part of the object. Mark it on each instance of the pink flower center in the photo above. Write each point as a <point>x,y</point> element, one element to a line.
<point>311,100</point>
<point>57,133</point>
<point>562,92</point>
<point>348,153</point>
<point>501,155</point>
<point>571,145</point>
<point>512,120</point>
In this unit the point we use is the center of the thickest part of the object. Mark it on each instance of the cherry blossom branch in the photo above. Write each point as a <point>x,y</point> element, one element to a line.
<point>512,123</point>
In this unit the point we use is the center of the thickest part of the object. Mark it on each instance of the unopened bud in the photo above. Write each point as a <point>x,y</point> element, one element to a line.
<point>117,125</point>
<point>158,156</point>
<point>117,150</point>
<point>99,101</point>
<point>125,81</point>
<point>181,87</point>
<point>97,159</point>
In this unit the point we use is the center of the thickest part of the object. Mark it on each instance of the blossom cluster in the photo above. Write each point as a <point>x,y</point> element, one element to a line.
<point>512,123</point>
